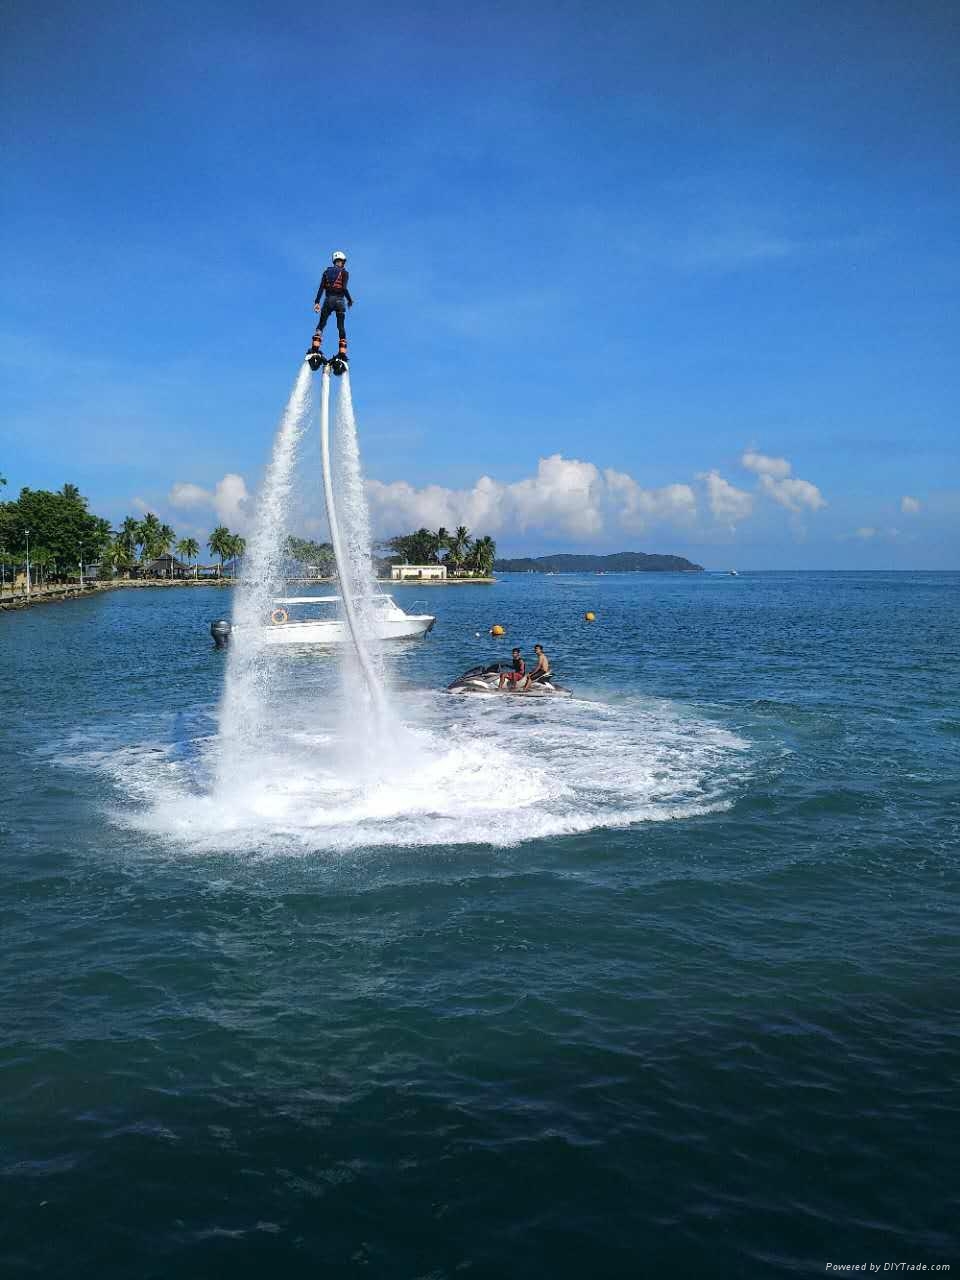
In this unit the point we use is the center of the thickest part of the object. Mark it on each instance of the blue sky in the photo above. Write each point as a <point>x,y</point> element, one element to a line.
<point>603,256</point>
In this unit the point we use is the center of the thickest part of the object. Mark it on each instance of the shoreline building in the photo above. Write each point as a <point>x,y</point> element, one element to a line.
<point>418,573</point>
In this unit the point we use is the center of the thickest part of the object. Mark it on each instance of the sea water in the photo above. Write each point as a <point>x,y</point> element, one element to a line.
<point>657,980</point>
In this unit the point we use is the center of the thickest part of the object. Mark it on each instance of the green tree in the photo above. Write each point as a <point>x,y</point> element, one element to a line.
<point>8,569</point>
<point>148,533</point>
<point>165,538</point>
<point>413,548</point>
<point>189,549</point>
<point>459,546</point>
<point>441,541</point>
<point>481,557</point>
<point>238,545</point>
<point>219,544</point>
<point>127,540</point>
<point>59,523</point>
<point>315,557</point>
<point>112,558</point>
<point>41,562</point>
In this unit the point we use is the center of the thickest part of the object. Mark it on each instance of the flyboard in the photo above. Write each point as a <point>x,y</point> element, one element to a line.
<point>334,364</point>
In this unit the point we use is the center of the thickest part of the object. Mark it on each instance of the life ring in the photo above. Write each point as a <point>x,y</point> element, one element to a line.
<point>279,617</point>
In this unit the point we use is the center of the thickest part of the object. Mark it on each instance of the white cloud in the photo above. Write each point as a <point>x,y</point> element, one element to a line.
<point>565,494</point>
<point>778,468</point>
<point>909,506</point>
<point>777,482</point>
<point>728,504</point>
<point>565,497</point>
<point>138,504</point>
<point>229,498</point>
<point>184,494</point>
<point>869,533</point>
<point>793,494</point>
<point>634,508</point>
<point>398,505</point>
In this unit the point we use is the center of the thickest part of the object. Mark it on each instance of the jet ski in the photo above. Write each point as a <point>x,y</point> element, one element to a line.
<point>487,680</point>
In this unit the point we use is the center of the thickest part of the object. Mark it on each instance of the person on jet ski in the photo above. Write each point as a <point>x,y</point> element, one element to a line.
<point>541,671</point>
<point>333,283</point>
<point>516,675</point>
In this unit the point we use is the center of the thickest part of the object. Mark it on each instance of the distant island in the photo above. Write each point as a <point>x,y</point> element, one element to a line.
<point>619,562</point>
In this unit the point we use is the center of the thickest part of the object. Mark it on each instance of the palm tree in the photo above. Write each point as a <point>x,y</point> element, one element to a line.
<point>112,556</point>
<point>219,544</point>
<point>440,540</point>
<point>165,537</point>
<point>482,555</point>
<point>459,546</point>
<point>70,491</point>
<point>128,537</point>
<point>148,530</point>
<point>187,549</point>
<point>238,546</point>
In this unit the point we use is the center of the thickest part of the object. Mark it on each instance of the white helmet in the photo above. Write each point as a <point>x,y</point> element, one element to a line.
<point>338,256</point>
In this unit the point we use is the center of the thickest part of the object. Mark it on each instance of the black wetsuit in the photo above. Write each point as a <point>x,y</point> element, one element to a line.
<point>333,283</point>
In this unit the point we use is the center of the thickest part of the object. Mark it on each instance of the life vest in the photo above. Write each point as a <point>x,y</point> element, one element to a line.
<point>335,280</point>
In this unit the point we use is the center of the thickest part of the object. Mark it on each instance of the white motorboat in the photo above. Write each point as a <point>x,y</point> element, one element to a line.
<point>388,621</point>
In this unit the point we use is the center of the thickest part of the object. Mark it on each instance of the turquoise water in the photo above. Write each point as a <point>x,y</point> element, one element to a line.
<point>660,981</point>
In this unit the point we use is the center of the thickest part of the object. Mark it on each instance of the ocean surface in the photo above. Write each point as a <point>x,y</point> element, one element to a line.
<point>660,980</point>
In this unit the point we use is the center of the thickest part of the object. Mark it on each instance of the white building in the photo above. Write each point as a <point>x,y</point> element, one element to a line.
<point>418,572</point>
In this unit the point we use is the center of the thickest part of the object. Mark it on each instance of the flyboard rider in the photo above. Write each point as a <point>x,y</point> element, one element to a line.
<point>333,284</point>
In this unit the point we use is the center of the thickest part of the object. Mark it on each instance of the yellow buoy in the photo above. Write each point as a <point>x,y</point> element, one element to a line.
<point>589,617</point>
<point>497,630</point>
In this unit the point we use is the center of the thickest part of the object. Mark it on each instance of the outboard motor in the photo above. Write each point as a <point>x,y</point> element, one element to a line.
<point>220,630</point>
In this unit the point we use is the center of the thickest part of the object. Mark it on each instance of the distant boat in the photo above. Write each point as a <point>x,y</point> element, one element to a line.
<point>732,573</point>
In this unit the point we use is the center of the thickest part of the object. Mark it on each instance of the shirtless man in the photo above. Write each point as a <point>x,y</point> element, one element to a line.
<point>516,675</point>
<point>541,671</point>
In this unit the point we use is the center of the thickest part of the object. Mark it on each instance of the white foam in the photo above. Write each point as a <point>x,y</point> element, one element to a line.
<point>484,771</point>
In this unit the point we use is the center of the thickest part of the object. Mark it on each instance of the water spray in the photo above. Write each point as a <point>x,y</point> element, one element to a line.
<point>339,554</point>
